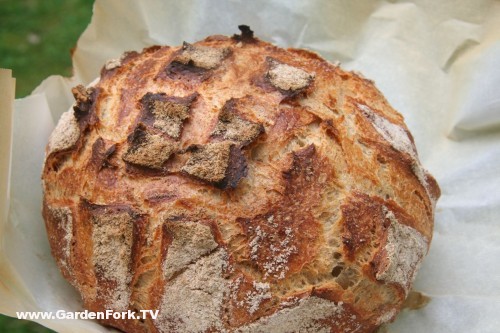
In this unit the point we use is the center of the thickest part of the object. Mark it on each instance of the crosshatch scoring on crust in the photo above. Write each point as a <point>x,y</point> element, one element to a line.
<point>287,78</point>
<point>166,113</point>
<point>219,163</point>
<point>233,126</point>
<point>148,149</point>
<point>237,186</point>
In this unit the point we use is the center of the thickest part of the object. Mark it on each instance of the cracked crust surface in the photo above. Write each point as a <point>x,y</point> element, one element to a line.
<point>237,187</point>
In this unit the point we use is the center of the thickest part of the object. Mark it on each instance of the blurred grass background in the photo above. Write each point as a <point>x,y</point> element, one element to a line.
<point>36,38</point>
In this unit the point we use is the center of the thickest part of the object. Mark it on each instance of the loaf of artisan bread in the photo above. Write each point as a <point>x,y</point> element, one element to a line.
<point>236,186</point>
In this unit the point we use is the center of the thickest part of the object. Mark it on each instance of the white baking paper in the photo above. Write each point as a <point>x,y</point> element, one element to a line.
<point>437,62</point>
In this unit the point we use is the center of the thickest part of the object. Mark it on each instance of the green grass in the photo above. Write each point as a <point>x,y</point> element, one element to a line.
<point>36,38</point>
<point>12,325</point>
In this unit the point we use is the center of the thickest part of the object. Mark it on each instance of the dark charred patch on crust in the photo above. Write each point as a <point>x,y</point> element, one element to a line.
<point>285,238</point>
<point>236,169</point>
<point>166,113</point>
<point>246,35</point>
<point>234,126</point>
<point>364,222</point>
<point>97,210</point>
<point>102,151</point>
<point>137,75</point>
<point>86,118</point>
<point>195,62</point>
<point>302,169</point>
<point>84,98</point>
<point>221,164</point>
<point>148,149</point>
<point>156,198</point>
<point>331,130</point>
<point>179,72</point>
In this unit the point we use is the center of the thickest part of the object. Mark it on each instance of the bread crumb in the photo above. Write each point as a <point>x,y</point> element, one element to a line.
<point>191,240</point>
<point>149,150</point>
<point>209,162</point>
<point>112,243</point>
<point>202,56</point>
<point>66,133</point>
<point>169,116</point>
<point>288,78</point>
<point>192,301</point>
<point>233,127</point>
<point>405,250</point>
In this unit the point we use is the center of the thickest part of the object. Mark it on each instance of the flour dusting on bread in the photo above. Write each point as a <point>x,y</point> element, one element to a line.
<point>64,218</point>
<point>191,240</point>
<point>405,250</point>
<point>149,149</point>
<point>255,297</point>
<point>392,133</point>
<point>66,133</point>
<point>209,162</point>
<point>288,78</point>
<point>237,187</point>
<point>305,317</point>
<point>202,56</point>
<point>192,302</point>
<point>112,243</point>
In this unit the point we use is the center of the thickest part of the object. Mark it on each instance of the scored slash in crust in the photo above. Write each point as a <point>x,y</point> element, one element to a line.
<point>219,163</point>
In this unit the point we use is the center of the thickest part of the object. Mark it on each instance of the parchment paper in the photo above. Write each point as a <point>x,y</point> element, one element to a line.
<point>437,62</point>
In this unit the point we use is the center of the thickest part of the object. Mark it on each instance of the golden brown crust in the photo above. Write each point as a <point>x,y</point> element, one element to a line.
<point>237,187</point>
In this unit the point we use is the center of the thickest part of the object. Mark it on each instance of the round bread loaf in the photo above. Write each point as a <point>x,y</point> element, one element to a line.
<point>236,186</point>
